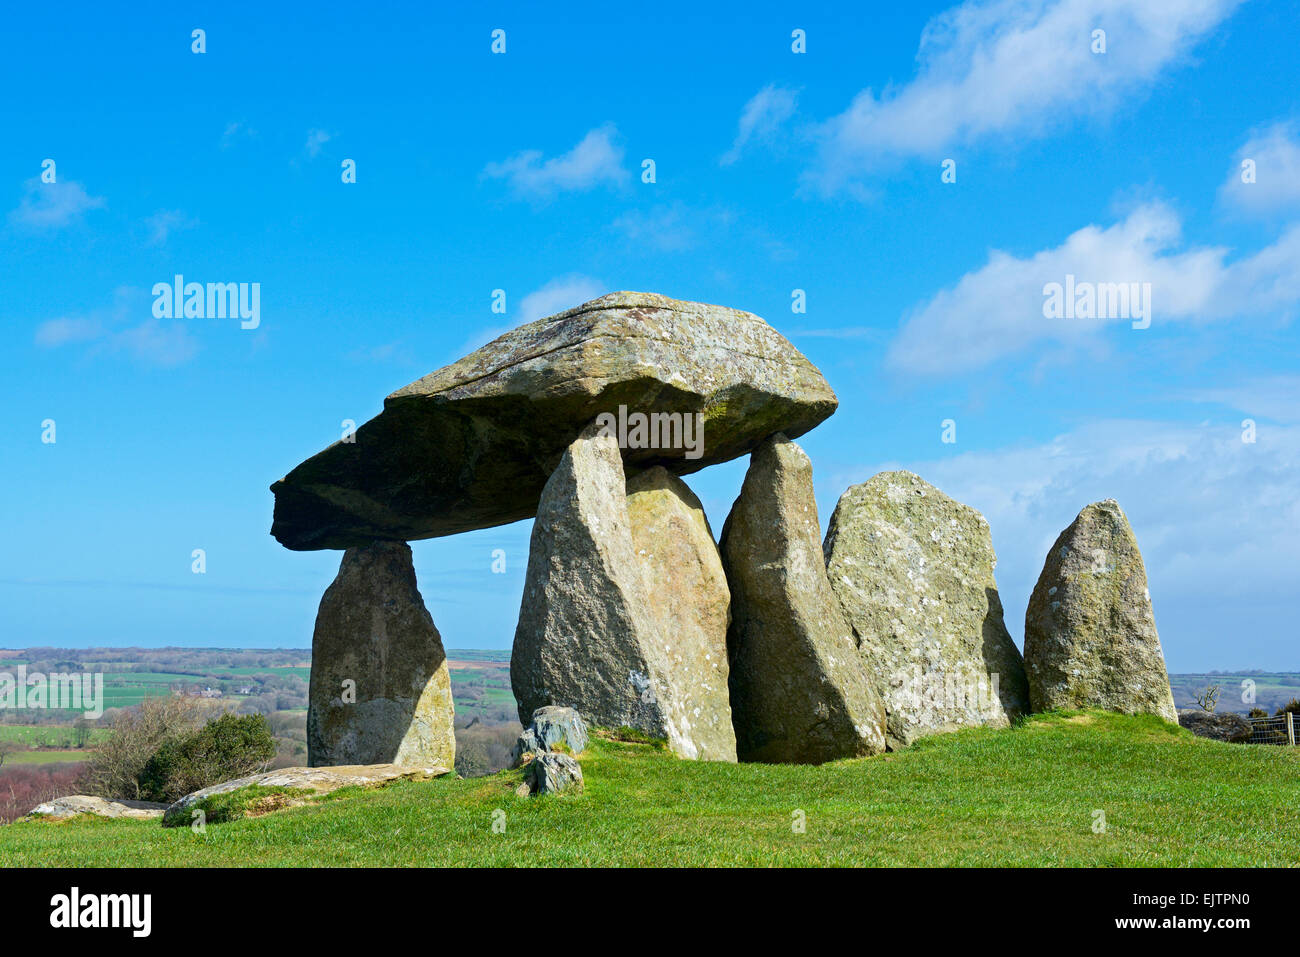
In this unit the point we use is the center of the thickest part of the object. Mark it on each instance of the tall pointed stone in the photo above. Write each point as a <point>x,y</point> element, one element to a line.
<point>623,612</point>
<point>798,692</point>
<point>1090,632</point>
<point>380,689</point>
<point>913,570</point>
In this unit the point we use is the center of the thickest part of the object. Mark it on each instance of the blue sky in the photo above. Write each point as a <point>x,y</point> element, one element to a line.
<point>522,171</point>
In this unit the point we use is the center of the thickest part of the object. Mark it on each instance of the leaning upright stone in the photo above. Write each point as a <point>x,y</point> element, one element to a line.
<point>798,691</point>
<point>691,603</point>
<point>603,627</point>
<point>1090,633</point>
<point>380,690</point>
<point>913,570</point>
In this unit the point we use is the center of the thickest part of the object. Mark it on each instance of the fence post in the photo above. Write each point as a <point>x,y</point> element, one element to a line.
<point>1290,728</point>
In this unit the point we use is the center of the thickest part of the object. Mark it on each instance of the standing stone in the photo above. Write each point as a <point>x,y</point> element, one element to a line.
<point>913,570</point>
<point>798,693</point>
<point>607,626</point>
<point>1090,633</point>
<point>375,639</point>
<point>691,604</point>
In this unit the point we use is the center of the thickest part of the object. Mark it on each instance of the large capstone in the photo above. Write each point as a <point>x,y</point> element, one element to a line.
<point>798,691</point>
<point>1090,632</point>
<point>473,444</point>
<point>624,607</point>
<point>380,690</point>
<point>913,570</point>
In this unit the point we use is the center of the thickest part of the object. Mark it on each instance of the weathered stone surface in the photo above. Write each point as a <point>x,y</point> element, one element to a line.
<point>552,728</point>
<point>75,804</point>
<point>373,630</point>
<point>600,628</point>
<point>526,748</point>
<point>691,604</point>
<point>552,773</point>
<point>798,692</point>
<point>913,570</point>
<point>1090,632</point>
<point>556,726</point>
<point>472,445</point>
<point>313,782</point>
<point>1221,726</point>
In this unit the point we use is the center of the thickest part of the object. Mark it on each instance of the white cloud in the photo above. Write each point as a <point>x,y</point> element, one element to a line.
<point>111,330</point>
<point>1215,518</point>
<point>65,331</point>
<point>52,205</point>
<point>166,221</point>
<point>1011,67</point>
<point>234,132</point>
<point>764,114</point>
<point>667,228</point>
<point>561,293</point>
<point>997,310</point>
<point>1276,154</point>
<point>158,342</point>
<point>597,160</point>
<point>1275,397</point>
<point>316,140</point>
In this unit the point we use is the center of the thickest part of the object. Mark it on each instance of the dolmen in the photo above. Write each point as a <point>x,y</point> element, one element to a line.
<point>764,644</point>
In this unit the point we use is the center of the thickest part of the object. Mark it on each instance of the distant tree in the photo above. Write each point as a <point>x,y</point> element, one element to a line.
<point>231,746</point>
<point>114,771</point>
<point>81,731</point>
<point>6,748</point>
<point>1209,698</point>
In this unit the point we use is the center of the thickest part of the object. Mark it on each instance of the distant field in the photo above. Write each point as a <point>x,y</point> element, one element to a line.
<point>45,736</point>
<point>46,757</point>
<point>1272,690</point>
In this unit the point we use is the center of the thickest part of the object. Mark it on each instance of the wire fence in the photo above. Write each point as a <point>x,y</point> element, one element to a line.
<point>1278,729</point>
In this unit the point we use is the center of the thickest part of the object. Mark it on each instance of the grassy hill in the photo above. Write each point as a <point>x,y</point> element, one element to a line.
<point>1024,796</point>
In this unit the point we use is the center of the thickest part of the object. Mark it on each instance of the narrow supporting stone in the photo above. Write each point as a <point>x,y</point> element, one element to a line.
<point>624,606</point>
<point>798,691</point>
<point>380,690</point>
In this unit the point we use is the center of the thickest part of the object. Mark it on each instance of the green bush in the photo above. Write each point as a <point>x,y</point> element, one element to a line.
<point>1293,706</point>
<point>229,747</point>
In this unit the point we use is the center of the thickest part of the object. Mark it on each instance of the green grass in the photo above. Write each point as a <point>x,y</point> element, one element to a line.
<point>1024,796</point>
<point>46,757</point>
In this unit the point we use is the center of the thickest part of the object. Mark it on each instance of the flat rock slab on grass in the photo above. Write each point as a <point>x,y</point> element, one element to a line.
<point>75,804</point>
<point>471,445</point>
<point>1090,632</point>
<point>913,570</point>
<point>315,782</point>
